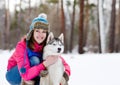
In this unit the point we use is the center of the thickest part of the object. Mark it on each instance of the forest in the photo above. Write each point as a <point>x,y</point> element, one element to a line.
<point>89,26</point>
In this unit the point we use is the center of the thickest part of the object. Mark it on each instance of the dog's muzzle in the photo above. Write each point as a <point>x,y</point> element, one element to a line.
<point>59,49</point>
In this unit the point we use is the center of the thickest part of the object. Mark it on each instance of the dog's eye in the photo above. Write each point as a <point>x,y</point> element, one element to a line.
<point>54,44</point>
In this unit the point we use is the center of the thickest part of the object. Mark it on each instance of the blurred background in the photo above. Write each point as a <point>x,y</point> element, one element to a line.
<point>89,26</point>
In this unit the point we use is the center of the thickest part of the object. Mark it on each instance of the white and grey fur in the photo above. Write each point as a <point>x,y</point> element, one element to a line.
<point>54,46</point>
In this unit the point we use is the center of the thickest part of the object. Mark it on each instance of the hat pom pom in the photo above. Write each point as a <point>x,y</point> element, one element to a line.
<point>42,15</point>
<point>23,70</point>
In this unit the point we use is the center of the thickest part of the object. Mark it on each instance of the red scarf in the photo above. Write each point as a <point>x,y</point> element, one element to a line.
<point>37,47</point>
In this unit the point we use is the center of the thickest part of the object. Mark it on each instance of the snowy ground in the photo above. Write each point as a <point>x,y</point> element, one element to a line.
<point>86,69</point>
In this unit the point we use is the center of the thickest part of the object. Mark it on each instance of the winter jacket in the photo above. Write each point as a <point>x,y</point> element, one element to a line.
<point>17,58</point>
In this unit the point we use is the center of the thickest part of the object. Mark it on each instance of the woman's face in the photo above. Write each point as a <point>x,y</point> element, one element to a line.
<point>39,35</point>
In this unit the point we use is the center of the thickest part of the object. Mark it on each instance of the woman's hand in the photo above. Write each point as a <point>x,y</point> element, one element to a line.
<point>50,60</point>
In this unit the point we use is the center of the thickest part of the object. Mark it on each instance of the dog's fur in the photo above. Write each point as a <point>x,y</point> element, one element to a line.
<point>54,46</point>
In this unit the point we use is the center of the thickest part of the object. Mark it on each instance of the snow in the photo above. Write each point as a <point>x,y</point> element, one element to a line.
<point>86,69</point>
<point>4,55</point>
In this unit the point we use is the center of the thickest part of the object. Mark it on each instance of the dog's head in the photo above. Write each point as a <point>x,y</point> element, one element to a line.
<point>55,45</point>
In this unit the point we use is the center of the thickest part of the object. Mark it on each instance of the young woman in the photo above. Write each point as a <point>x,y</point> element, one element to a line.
<point>26,62</point>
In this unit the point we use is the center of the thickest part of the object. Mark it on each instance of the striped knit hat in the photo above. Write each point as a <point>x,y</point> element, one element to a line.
<point>39,22</point>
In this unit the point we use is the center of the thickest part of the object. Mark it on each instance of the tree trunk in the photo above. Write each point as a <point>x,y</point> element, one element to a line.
<point>119,29</point>
<point>7,27</point>
<point>98,26</point>
<point>86,28</point>
<point>101,27</point>
<point>63,30</point>
<point>111,32</point>
<point>117,46</point>
<point>29,14</point>
<point>81,26</point>
<point>72,27</point>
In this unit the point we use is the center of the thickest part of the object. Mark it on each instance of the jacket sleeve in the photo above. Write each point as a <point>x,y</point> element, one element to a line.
<point>11,62</point>
<point>19,56</point>
<point>67,67</point>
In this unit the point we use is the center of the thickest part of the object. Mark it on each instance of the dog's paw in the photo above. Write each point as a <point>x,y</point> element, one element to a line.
<point>30,82</point>
<point>44,73</point>
<point>66,76</point>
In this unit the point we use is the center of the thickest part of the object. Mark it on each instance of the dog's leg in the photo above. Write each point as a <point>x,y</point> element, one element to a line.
<point>27,82</point>
<point>63,81</point>
<point>44,80</point>
<point>22,82</point>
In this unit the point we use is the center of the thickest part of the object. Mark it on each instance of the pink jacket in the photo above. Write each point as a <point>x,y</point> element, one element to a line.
<point>18,59</point>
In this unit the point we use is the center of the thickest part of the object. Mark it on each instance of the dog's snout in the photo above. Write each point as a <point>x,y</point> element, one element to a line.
<point>59,49</point>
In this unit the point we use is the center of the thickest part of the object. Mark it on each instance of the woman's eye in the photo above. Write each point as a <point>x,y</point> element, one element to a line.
<point>37,31</point>
<point>44,31</point>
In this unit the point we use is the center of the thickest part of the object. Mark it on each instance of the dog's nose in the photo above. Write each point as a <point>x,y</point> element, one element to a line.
<point>59,49</point>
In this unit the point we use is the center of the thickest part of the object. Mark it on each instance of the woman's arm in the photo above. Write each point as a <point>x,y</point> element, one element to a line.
<point>67,67</point>
<point>20,56</point>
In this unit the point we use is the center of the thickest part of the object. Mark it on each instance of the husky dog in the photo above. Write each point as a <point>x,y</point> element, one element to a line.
<point>54,46</point>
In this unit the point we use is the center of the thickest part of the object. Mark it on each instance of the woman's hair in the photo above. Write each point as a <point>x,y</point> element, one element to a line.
<point>30,42</point>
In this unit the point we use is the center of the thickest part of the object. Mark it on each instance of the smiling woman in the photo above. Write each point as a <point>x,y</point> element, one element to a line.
<point>27,57</point>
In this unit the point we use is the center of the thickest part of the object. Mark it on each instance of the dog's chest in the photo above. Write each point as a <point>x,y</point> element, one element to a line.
<point>56,65</point>
<point>56,70</point>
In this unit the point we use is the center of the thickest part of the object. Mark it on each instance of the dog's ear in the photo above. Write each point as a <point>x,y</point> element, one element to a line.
<point>61,37</point>
<point>50,37</point>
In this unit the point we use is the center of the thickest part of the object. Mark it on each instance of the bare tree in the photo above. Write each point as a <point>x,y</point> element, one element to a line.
<point>63,30</point>
<point>29,7</point>
<point>7,26</point>
<point>101,27</point>
<point>98,26</point>
<point>119,29</point>
<point>86,25</point>
<point>117,44</point>
<point>111,32</point>
<point>81,26</point>
<point>72,27</point>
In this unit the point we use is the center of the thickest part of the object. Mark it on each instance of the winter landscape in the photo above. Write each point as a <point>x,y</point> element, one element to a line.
<point>98,31</point>
<point>86,69</point>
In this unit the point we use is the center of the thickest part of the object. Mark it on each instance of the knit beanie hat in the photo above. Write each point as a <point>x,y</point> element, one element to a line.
<point>39,22</point>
